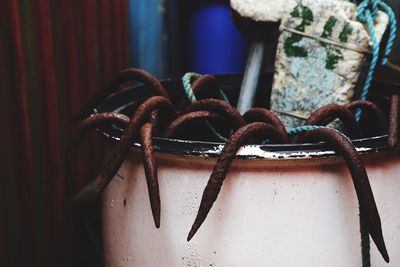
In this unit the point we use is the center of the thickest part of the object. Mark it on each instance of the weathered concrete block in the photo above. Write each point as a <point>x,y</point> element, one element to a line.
<point>320,56</point>
<point>262,10</point>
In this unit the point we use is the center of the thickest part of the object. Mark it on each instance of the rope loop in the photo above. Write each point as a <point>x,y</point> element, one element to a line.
<point>367,11</point>
<point>392,31</point>
<point>365,7</point>
<point>187,80</point>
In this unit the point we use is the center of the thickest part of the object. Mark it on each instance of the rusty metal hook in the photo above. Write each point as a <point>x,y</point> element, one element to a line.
<point>393,139</point>
<point>368,210</point>
<point>150,169</point>
<point>328,113</point>
<point>113,86</point>
<point>267,116</point>
<point>81,128</point>
<point>206,86</point>
<point>238,139</point>
<point>118,153</point>
<point>369,106</point>
<point>174,127</point>
<point>220,107</point>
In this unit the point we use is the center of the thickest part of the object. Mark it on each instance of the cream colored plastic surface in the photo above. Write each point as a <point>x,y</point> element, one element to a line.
<point>264,216</point>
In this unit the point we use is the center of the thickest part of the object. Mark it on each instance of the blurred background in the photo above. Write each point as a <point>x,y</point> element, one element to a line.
<point>55,56</point>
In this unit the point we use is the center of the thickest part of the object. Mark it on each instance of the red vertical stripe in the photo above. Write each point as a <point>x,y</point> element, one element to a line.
<point>23,161</point>
<point>71,57</point>
<point>6,141</point>
<point>9,203</point>
<point>90,21</point>
<point>125,33</point>
<point>105,40</point>
<point>73,80</point>
<point>116,24</point>
<point>89,9</point>
<point>49,84</point>
<point>68,55</point>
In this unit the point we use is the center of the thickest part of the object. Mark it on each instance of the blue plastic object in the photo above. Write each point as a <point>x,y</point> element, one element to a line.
<point>215,46</point>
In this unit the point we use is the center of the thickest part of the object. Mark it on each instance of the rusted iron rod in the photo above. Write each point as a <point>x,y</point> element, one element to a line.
<point>218,106</point>
<point>80,130</point>
<point>368,209</point>
<point>394,122</point>
<point>374,109</point>
<point>122,77</point>
<point>267,116</point>
<point>238,139</point>
<point>150,169</point>
<point>119,151</point>
<point>206,86</point>
<point>328,113</point>
<point>175,127</point>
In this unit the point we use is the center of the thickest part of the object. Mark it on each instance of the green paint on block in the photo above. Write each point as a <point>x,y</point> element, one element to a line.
<point>304,13</point>
<point>344,34</point>
<point>328,28</point>
<point>332,58</point>
<point>291,46</point>
<point>332,55</point>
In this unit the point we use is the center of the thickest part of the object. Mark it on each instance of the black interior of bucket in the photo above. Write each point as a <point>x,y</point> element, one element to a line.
<point>127,100</point>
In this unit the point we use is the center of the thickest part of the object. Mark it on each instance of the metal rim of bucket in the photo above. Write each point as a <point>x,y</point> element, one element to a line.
<point>130,97</point>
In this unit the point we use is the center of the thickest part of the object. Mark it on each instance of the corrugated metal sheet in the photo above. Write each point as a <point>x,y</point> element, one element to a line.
<point>55,56</point>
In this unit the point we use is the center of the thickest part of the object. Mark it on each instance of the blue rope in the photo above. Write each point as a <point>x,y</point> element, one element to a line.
<point>393,30</point>
<point>305,128</point>
<point>366,13</point>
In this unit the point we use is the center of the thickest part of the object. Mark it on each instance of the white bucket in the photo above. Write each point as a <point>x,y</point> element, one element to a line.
<point>270,212</point>
<point>280,205</point>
